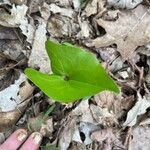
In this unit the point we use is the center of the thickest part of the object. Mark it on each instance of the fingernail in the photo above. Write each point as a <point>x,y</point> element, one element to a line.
<point>37,137</point>
<point>22,135</point>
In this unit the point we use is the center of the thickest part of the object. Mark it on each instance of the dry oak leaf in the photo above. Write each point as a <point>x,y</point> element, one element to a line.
<point>130,30</point>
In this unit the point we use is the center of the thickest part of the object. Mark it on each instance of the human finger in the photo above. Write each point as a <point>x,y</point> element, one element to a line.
<point>33,142</point>
<point>15,140</point>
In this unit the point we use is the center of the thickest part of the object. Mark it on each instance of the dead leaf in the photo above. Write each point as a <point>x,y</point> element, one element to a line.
<point>7,33</point>
<point>103,134</point>
<point>19,2</point>
<point>5,2</point>
<point>91,8</point>
<point>145,50</point>
<point>44,10</point>
<point>85,29</point>
<point>63,11</point>
<point>80,122</point>
<point>105,99</point>
<point>124,36</point>
<point>94,7</point>
<point>77,121</point>
<point>117,64</point>
<point>146,2</point>
<point>145,122</point>
<point>107,136</point>
<point>17,18</point>
<point>64,3</point>
<point>9,119</point>
<point>148,79</point>
<point>111,15</point>
<point>9,97</point>
<point>139,109</point>
<point>80,111</point>
<point>71,132</point>
<point>81,146</point>
<point>34,5</point>
<point>86,129</point>
<point>60,26</point>
<point>129,4</point>
<point>76,4</point>
<point>11,103</point>
<point>115,105</point>
<point>141,138</point>
<point>67,134</point>
<point>108,54</point>
<point>124,74</point>
<point>39,58</point>
<point>103,116</point>
<point>26,90</point>
<point>12,50</point>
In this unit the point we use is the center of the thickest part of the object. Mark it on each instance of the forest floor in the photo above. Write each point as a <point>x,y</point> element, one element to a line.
<point>117,32</point>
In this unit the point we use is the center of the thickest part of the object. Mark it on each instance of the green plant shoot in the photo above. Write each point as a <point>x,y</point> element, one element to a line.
<point>77,73</point>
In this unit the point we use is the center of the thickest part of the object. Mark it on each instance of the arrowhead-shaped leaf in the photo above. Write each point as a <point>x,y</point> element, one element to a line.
<point>76,74</point>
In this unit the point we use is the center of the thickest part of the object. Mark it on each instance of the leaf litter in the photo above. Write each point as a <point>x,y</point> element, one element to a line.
<point>115,31</point>
<point>118,33</point>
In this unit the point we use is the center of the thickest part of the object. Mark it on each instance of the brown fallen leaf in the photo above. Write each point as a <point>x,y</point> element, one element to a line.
<point>107,136</point>
<point>85,29</point>
<point>26,90</point>
<point>114,104</point>
<point>61,26</point>
<point>4,2</point>
<point>12,50</point>
<point>128,4</point>
<point>94,7</point>
<point>13,101</point>
<point>140,138</point>
<point>103,116</point>
<point>34,5</point>
<point>38,57</point>
<point>19,2</point>
<point>66,135</point>
<point>63,11</point>
<point>130,30</point>
<point>146,2</point>
<point>7,33</point>
<point>8,119</point>
<point>138,109</point>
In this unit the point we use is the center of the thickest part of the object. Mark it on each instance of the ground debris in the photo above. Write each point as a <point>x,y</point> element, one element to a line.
<point>140,138</point>
<point>109,137</point>
<point>139,109</point>
<point>101,27</point>
<point>38,50</point>
<point>13,101</point>
<point>94,7</point>
<point>129,4</point>
<point>125,34</point>
<point>61,26</point>
<point>2,2</point>
<point>63,11</point>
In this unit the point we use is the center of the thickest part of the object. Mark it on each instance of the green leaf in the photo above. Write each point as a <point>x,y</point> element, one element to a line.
<point>76,74</point>
<point>49,147</point>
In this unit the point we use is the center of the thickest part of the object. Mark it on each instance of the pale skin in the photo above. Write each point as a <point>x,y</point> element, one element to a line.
<point>20,140</point>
